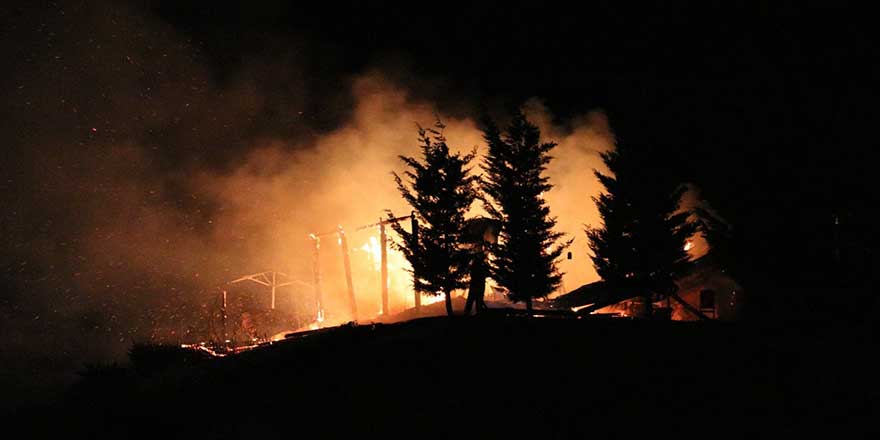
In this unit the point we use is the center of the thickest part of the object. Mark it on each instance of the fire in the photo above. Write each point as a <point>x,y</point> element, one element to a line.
<point>400,286</point>
<point>426,299</point>
<point>688,245</point>
<point>399,278</point>
<point>374,252</point>
<point>203,347</point>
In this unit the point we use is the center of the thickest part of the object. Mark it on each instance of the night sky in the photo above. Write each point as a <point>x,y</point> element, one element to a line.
<point>112,110</point>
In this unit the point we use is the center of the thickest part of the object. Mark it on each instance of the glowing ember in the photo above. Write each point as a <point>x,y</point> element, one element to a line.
<point>688,245</point>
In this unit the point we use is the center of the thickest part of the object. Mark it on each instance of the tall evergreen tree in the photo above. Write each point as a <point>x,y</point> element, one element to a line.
<point>524,259</point>
<point>640,244</point>
<point>440,189</point>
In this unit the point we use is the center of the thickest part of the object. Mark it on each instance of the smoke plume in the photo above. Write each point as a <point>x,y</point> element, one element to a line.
<point>139,183</point>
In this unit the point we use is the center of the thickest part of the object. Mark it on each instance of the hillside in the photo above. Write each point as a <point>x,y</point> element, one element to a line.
<point>490,376</point>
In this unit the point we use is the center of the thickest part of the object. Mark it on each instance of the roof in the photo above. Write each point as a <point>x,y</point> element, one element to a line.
<point>599,294</point>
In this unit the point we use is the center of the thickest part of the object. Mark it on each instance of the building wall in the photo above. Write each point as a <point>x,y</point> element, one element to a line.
<point>727,294</point>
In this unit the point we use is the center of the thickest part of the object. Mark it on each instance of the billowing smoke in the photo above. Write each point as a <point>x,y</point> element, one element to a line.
<point>140,184</point>
<point>282,191</point>
<point>580,141</point>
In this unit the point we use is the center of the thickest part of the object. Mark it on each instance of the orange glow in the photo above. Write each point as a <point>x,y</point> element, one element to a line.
<point>431,299</point>
<point>400,285</point>
<point>283,188</point>
<point>374,252</point>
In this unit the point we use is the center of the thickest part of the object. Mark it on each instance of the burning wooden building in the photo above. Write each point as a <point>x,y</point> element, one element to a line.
<point>706,291</point>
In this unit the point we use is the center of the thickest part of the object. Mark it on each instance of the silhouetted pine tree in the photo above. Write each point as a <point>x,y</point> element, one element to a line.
<point>440,190</point>
<point>640,245</point>
<point>524,259</point>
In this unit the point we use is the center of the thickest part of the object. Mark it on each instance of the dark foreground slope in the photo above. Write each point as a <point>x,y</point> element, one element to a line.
<point>493,376</point>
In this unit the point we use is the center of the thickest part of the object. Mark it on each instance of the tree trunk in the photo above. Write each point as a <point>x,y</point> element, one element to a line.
<point>470,303</point>
<point>448,302</point>
<point>649,306</point>
<point>529,306</point>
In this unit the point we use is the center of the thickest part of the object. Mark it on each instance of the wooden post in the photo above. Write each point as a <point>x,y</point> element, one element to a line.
<point>223,316</point>
<point>383,243</point>
<point>343,244</point>
<point>274,284</point>
<point>316,268</point>
<point>383,239</point>
<point>414,238</point>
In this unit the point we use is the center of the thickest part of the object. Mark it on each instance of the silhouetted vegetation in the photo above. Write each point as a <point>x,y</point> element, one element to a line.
<point>640,245</point>
<point>147,359</point>
<point>440,189</point>
<point>524,259</point>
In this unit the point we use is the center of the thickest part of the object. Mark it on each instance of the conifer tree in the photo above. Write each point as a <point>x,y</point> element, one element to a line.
<point>524,259</point>
<point>640,245</point>
<point>440,189</point>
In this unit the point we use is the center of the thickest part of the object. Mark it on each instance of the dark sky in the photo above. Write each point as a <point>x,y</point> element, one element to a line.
<point>766,106</point>
<point>721,85</point>
<point>759,72</point>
